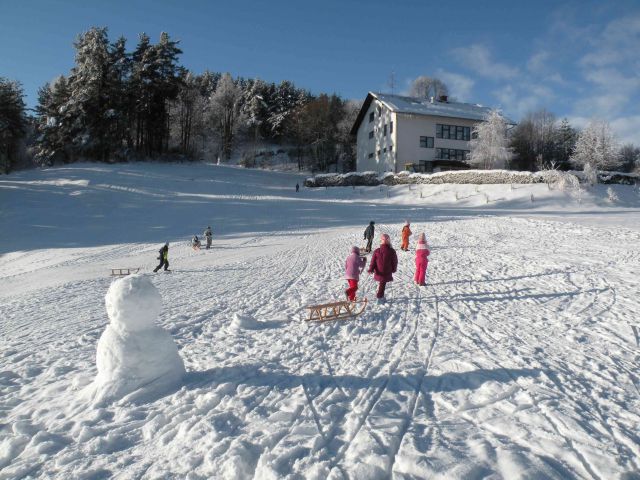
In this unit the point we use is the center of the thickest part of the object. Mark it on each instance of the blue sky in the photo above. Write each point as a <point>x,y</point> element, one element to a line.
<point>577,59</point>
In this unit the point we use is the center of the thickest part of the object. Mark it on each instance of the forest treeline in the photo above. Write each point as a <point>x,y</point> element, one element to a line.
<point>118,104</point>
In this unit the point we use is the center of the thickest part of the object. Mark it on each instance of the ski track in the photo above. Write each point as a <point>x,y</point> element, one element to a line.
<point>444,380</point>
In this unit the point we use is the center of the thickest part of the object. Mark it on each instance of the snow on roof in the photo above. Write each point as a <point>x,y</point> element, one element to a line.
<point>423,106</point>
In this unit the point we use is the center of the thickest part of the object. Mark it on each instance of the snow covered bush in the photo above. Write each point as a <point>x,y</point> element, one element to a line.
<point>596,149</point>
<point>612,196</point>
<point>563,180</point>
<point>135,357</point>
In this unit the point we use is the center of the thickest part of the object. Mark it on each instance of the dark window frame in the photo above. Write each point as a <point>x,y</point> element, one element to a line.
<point>371,134</point>
<point>426,142</point>
<point>371,117</point>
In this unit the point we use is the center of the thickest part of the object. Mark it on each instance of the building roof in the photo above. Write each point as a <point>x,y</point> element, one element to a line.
<point>424,106</point>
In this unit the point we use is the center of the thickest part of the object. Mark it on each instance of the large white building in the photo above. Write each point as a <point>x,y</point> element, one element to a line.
<point>395,133</point>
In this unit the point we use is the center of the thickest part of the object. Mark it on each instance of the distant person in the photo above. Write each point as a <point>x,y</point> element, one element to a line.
<point>208,234</point>
<point>195,242</point>
<point>406,233</point>
<point>369,232</point>
<point>422,260</point>
<point>297,187</point>
<point>164,258</point>
<point>384,264</point>
<point>353,268</point>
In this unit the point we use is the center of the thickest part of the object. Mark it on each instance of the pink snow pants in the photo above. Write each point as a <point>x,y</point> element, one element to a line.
<point>421,271</point>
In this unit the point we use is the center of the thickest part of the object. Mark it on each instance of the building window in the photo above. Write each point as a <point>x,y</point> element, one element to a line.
<point>453,132</point>
<point>371,134</point>
<point>371,155</point>
<point>451,154</point>
<point>390,128</point>
<point>426,142</point>
<point>391,148</point>
<point>384,149</point>
<point>385,130</point>
<point>379,111</point>
<point>371,116</point>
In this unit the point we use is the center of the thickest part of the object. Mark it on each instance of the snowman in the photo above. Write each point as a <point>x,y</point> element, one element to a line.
<point>135,358</point>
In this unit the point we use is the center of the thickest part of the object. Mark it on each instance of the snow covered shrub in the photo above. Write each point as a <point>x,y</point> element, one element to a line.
<point>611,195</point>
<point>596,149</point>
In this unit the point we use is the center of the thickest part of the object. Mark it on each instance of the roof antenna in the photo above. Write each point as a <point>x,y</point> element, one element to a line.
<point>392,81</point>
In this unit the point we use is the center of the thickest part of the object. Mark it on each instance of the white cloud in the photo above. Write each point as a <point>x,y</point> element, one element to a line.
<point>613,80</point>
<point>478,58</point>
<point>537,62</point>
<point>626,128</point>
<point>516,103</point>
<point>618,43</point>
<point>460,86</point>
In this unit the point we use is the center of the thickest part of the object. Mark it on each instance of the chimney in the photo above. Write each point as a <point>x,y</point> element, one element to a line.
<point>443,98</point>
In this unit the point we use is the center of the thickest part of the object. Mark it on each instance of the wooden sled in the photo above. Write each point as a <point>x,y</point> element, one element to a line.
<point>336,310</point>
<point>123,272</point>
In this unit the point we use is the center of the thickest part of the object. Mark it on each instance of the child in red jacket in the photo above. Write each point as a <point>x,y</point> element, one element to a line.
<point>384,264</point>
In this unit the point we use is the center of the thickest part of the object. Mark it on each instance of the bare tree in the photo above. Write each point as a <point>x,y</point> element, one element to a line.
<point>490,146</point>
<point>425,87</point>
<point>225,109</point>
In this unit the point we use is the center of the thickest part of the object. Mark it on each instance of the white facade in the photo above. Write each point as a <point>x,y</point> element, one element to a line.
<point>412,127</point>
<point>377,154</point>
<point>389,138</point>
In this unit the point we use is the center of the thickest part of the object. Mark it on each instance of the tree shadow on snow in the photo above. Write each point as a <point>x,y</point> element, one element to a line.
<point>256,375</point>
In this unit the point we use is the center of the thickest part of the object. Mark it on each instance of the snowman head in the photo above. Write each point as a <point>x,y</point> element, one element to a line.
<point>133,303</point>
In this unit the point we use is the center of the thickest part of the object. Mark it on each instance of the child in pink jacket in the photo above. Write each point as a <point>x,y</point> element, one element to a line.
<point>353,268</point>
<point>422,260</point>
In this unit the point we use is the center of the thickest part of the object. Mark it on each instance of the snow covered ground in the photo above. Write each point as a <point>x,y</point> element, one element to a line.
<point>516,361</point>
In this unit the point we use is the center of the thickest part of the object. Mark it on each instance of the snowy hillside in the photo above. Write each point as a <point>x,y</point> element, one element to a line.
<point>516,361</point>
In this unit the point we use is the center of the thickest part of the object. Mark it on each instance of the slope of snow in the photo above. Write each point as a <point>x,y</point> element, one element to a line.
<point>516,361</point>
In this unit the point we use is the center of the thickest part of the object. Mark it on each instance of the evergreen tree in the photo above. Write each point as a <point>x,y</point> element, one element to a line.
<point>120,102</point>
<point>141,91</point>
<point>167,86</point>
<point>566,142</point>
<point>13,122</point>
<point>54,123</point>
<point>90,95</point>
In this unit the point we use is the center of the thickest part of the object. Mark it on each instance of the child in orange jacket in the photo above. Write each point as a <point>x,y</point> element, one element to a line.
<point>406,233</point>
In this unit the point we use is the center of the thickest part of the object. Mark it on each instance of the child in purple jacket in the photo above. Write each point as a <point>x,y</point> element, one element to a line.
<point>353,268</point>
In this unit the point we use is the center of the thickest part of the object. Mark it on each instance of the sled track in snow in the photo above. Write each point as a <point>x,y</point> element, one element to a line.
<point>537,404</point>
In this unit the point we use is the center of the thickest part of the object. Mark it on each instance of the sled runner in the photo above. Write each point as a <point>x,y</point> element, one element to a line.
<point>336,310</point>
<point>123,272</point>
